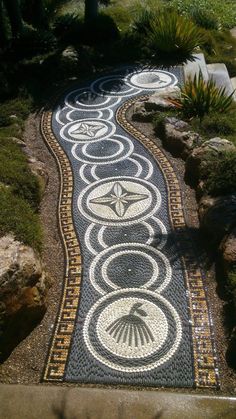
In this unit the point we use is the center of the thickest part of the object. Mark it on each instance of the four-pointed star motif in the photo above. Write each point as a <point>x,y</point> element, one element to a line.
<point>119,199</point>
<point>88,130</point>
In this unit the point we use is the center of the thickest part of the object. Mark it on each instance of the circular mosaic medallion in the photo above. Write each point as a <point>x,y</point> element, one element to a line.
<point>87,130</point>
<point>87,101</point>
<point>152,231</point>
<point>130,265</point>
<point>132,330</point>
<point>119,202</point>
<point>113,86</point>
<point>108,151</point>
<point>152,80</point>
<point>134,169</point>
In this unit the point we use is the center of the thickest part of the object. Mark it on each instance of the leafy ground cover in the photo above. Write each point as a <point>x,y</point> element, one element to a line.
<point>19,189</point>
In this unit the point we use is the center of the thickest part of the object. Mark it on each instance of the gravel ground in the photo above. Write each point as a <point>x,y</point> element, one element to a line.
<point>26,363</point>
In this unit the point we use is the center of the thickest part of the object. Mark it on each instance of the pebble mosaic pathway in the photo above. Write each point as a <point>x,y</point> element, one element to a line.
<point>133,309</point>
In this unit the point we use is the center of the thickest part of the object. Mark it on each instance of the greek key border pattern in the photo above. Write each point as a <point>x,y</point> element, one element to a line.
<point>59,348</point>
<point>204,351</point>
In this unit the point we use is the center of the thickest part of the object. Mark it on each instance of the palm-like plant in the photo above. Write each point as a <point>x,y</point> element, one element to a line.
<point>173,38</point>
<point>200,97</point>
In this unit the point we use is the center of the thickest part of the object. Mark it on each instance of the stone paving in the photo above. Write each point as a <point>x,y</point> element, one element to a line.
<point>134,309</point>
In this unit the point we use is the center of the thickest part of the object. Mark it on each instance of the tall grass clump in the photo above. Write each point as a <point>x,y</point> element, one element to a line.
<point>200,97</point>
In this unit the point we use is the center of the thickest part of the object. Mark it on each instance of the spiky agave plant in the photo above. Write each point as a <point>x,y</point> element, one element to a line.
<point>173,38</point>
<point>200,97</point>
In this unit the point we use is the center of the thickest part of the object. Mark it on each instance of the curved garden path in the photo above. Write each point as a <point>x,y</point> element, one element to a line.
<point>133,310</point>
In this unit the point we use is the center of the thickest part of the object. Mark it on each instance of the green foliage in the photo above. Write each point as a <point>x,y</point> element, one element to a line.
<point>34,41</point>
<point>120,16</point>
<point>173,38</point>
<point>68,27</point>
<point>143,21</point>
<point>14,171</point>
<point>204,18</point>
<point>220,47</point>
<point>219,174</point>
<point>222,12</point>
<point>20,107</point>
<point>19,189</point>
<point>200,97</point>
<point>219,124</point>
<point>17,216</point>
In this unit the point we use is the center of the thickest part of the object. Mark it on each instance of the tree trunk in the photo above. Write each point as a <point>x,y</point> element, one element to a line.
<point>33,12</point>
<point>14,13</point>
<point>40,20</point>
<point>3,36</point>
<point>91,10</point>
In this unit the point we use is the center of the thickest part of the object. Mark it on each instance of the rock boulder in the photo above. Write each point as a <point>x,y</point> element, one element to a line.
<point>217,216</point>
<point>178,138</point>
<point>163,99</point>
<point>228,249</point>
<point>23,292</point>
<point>200,155</point>
<point>38,168</point>
<point>140,114</point>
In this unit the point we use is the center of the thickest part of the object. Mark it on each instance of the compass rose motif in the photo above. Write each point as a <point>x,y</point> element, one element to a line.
<point>119,199</point>
<point>88,130</point>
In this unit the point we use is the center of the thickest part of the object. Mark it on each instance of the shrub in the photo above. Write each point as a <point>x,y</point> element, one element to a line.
<point>173,38</point>
<point>120,15</point>
<point>34,41</point>
<point>200,97</point>
<point>20,107</point>
<point>14,171</point>
<point>204,18</point>
<point>143,22</point>
<point>17,217</point>
<point>219,124</point>
<point>219,174</point>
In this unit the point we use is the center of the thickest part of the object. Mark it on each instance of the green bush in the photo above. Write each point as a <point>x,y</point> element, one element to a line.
<point>200,97</point>
<point>17,217</point>
<point>34,41</point>
<point>19,107</point>
<point>204,18</point>
<point>14,171</point>
<point>219,124</point>
<point>120,16</point>
<point>143,21</point>
<point>173,38</point>
<point>219,174</point>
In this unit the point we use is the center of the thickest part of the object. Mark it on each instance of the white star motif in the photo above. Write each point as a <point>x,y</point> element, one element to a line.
<point>119,199</point>
<point>87,129</point>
